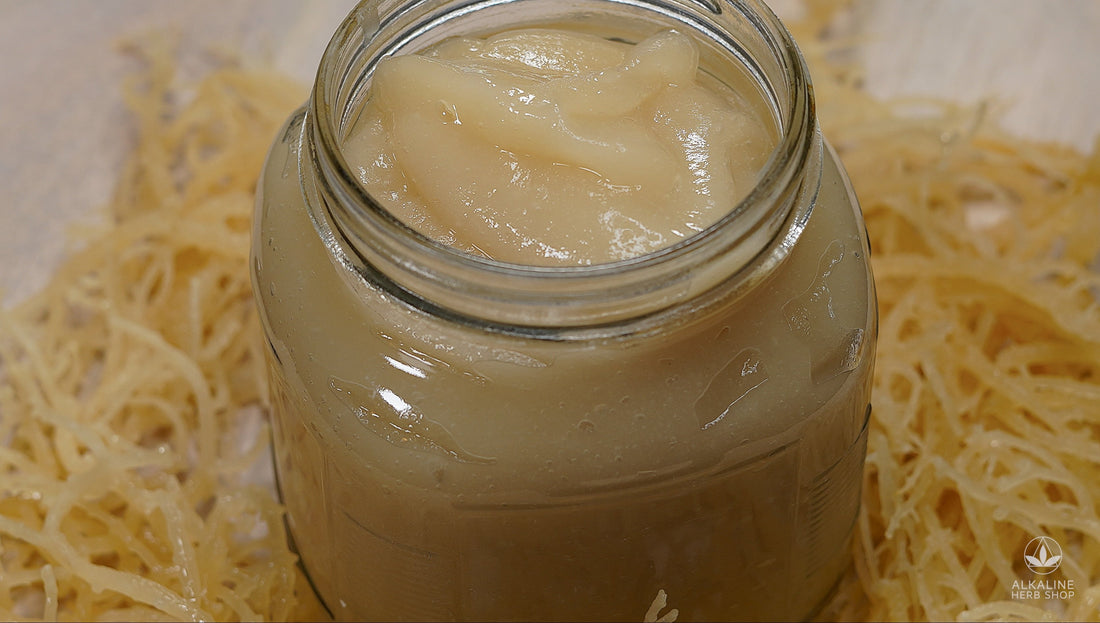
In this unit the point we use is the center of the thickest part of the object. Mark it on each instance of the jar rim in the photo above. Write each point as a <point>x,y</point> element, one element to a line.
<point>377,237</point>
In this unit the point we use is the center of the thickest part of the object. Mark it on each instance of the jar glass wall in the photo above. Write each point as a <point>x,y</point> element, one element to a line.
<point>457,438</point>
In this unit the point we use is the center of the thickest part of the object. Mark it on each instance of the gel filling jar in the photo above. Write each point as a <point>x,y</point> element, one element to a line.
<point>463,438</point>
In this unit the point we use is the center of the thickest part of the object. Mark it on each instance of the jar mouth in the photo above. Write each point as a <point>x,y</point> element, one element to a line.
<point>753,235</point>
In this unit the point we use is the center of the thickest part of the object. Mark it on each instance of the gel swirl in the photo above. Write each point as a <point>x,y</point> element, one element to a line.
<point>552,147</point>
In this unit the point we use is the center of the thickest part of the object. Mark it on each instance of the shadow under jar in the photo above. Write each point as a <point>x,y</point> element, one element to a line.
<point>460,438</point>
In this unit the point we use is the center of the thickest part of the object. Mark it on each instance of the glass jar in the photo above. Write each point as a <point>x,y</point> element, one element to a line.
<point>458,438</point>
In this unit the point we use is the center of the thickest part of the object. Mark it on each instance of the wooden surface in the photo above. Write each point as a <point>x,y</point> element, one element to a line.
<point>63,129</point>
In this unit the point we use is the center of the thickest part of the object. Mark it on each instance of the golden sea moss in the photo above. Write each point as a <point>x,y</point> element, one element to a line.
<point>986,424</point>
<point>131,387</point>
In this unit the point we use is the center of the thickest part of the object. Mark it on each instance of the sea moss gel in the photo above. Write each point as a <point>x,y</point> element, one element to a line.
<point>567,302</point>
<point>557,147</point>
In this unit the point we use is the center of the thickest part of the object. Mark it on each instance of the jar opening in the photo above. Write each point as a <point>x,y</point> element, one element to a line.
<point>734,252</point>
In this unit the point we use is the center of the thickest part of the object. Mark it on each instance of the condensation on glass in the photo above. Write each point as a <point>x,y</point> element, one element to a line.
<point>459,438</point>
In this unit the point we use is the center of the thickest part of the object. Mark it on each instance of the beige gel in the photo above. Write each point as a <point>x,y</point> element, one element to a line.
<point>504,405</point>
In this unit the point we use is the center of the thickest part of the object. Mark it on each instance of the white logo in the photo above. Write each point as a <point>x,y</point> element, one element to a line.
<point>1043,555</point>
